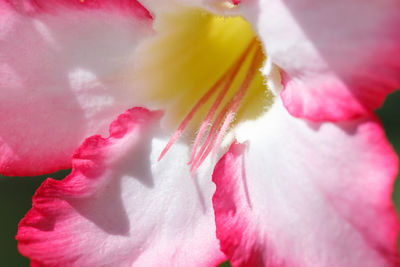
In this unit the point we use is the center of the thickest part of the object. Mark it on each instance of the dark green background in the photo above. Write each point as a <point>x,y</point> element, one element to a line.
<point>16,193</point>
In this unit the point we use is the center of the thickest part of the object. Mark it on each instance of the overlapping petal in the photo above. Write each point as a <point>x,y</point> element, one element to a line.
<point>339,59</point>
<point>298,194</point>
<point>60,76</point>
<point>304,194</point>
<point>120,207</point>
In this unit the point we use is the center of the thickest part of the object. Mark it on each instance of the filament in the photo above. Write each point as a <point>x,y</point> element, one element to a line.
<point>225,117</point>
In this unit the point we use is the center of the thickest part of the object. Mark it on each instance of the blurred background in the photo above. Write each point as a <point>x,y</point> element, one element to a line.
<point>16,192</point>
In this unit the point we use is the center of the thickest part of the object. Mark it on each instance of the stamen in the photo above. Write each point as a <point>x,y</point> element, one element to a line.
<point>190,115</point>
<point>237,99</point>
<point>218,100</point>
<point>202,101</point>
<point>201,156</point>
<point>228,112</point>
<point>225,117</point>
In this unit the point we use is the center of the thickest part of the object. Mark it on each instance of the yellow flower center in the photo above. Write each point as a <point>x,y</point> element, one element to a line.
<point>204,71</point>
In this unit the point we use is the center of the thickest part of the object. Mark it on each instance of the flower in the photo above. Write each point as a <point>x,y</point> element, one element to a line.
<point>304,174</point>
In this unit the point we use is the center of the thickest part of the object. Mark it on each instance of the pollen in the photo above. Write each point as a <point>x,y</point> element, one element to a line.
<point>206,71</point>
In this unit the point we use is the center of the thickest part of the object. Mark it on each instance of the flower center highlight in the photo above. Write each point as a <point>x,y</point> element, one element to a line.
<point>208,67</point>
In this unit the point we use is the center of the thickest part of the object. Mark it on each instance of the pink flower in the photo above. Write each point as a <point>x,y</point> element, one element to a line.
<point>288,165</point>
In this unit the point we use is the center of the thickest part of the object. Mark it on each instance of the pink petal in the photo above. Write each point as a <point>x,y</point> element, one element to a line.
<point>120,207</point>
<point>339,58</point>
<point>60,76</point>
<point>307,194</point>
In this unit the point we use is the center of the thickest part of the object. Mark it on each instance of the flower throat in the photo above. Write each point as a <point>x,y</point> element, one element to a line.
<point>219,123</point>
<point>207,68</point>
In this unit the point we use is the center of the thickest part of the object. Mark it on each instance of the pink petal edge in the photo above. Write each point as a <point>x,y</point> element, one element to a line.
<point>31,7</point>
<point>64,228</point>
<point>59,70</point>
<point>339,59</point>
<point>242,233</point>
